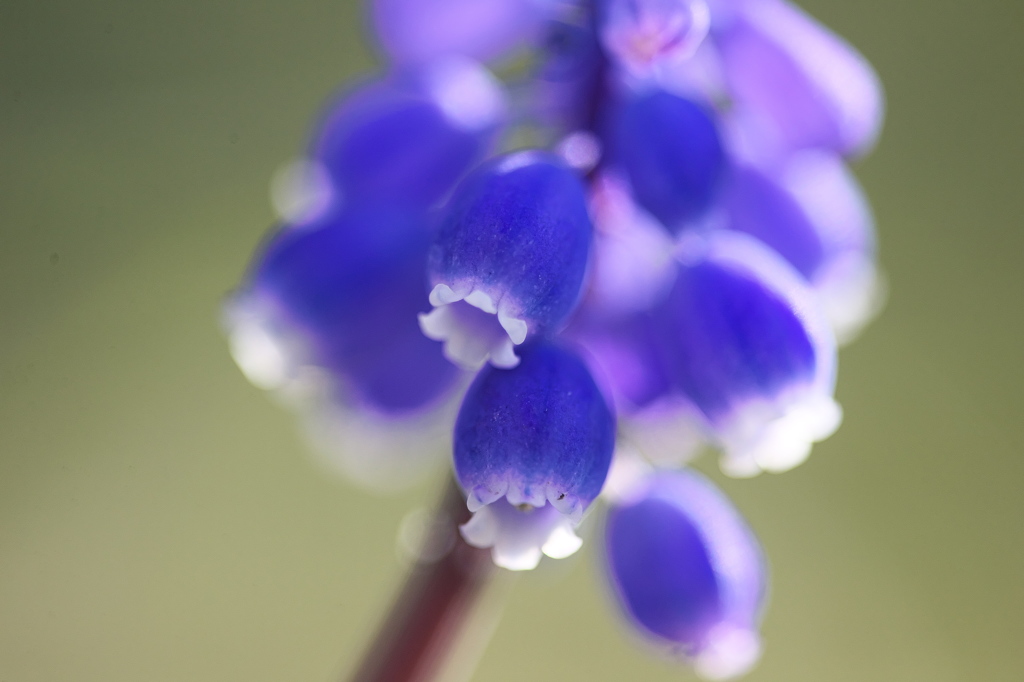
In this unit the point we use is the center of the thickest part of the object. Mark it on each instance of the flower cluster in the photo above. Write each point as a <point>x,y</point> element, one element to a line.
<point>642,239</point>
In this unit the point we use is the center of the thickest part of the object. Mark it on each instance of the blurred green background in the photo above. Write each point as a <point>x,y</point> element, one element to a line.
<point>160,520</point>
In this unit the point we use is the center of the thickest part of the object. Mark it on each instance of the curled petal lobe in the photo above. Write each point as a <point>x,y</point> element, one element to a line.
<point>532,447</point>
<point>519,537</point>
<point>687,570</point>
<point>508,258</point>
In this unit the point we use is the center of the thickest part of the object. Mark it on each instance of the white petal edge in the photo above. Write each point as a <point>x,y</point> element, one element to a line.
<point>730,652</point>
<point>519,537</point>
<point>781,443</point>
<point>474,326</point>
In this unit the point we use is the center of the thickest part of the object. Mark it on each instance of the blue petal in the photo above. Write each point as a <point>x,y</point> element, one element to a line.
<point>669,149</point>
<point>688,570</point>
<point>536,434</point>
<point>409,137</point>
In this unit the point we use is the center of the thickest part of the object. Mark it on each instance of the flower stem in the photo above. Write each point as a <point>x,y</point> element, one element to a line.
<point>421,630</point>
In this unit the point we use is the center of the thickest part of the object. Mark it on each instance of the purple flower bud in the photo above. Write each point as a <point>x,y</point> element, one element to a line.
<point>418,30</point>
<point>805,85</point>
<point>743,339</point>
<point>532,449</point>
<point>811,211</point>
<point>688,571</point>
<point>669,150</point>
<point>408,138</point>
<point>508,258</point>
<point>342,294</point>
<point>642,35</point>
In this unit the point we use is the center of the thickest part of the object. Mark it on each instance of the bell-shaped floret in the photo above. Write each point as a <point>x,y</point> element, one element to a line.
<point>642,35</point>
<point>688,571</point>
<point>533,445</point>
<point>801,83</point>
<point>669,150</point>
<point>508,258</point>
<point>342,294</point>
<point>416,30</point>
<point>811,211</point>
<point>743,339</point>
<point>407,138</point>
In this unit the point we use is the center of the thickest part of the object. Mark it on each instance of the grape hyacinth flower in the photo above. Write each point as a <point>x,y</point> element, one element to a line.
<point>508,258</point>
<point>668,266</point>
<point>687,570</point>
<point>533,446</point>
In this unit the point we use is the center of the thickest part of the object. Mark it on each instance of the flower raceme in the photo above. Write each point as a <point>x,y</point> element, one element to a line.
<point>679,253</point>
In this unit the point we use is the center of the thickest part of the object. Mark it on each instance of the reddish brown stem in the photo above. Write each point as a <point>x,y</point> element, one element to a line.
<point>435,603</point>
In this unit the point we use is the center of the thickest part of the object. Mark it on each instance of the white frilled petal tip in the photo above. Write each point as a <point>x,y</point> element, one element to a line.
<point>519,494</point>
<point>301,191</point>
<point>474,327</point>
<point>852,295</point>
<point>467,93</point>
<point>782,443</point>
<point>627,475</point>
<point>519,536</point>
<point>260,356</point>
<point>729,653</point>
<point>267,356</point>
<point>669,433</point>
<point>381,453</point>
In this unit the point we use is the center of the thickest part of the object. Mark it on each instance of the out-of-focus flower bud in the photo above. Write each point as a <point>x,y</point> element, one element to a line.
<point>407,138</point>
<point>668,149</point>
<point>810,210</point>
<point>688,571</point>
<point>743,339</point>
<point>417,30</point>
<point>342,294</point>
<point>802,84</point>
